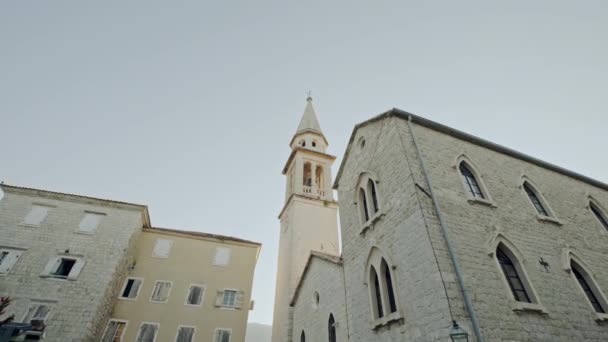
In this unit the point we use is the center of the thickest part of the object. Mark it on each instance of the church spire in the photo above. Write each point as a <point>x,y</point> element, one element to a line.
<point>309,121</point>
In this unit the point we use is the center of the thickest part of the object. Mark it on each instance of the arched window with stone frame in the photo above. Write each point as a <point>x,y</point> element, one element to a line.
<point>599,214</point>
<point>307,176</point>
<point>472,181</point>
<point>382,286</point>
<point>536,199</point>
<point>368,199</point>
<point>586,282</point>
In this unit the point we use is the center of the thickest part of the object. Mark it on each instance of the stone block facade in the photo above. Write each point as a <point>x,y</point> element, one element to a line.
<point>80,306</point>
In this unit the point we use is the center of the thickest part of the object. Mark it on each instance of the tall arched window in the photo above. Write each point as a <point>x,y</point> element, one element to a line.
<point>471,182</point>
<point>307,175</point>
<point>587,285</point>
<point>376,294</point>
<point>371,188</point>
<point>303,337</point>
<point>599,214</point>
<point>388,282</point>
<point>331,327</point>
<point>535,199</point>
<point>512,275</point>
<point>363,206</point>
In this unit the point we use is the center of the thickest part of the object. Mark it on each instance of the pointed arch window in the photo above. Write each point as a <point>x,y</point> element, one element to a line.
<point>471,182</point>
<point>368,200</point>
<point>331,327</point>
<point>512,275</point>
<point>388,281</point>
<point>303,337</point>
<point>376,294</point>
<point>535,199</point>
<point>599,214</point>
<point>586,284</point>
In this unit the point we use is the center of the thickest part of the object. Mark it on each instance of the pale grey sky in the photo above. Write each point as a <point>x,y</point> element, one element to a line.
<point>189,106</point>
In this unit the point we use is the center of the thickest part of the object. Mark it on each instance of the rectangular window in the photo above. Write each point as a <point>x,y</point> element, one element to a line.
<point>8,259</point>
<point>37,215</point>
<point>160,294</point>
<point>131,288</point>
<point>222,335</point>
<point>222,256</point>
<point>89,222</point>
<point>114,331</point>
<point>229,298</point>
<point>38,311</point>
<point>63,268</point>
<point>162,248</point>
<point>147,332</point>
<point>185,334</point>
<point>195,295</point>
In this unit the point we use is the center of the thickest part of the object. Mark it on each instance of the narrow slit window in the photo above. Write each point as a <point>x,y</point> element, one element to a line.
<point>600,216</point>
<point>377,296</point>
<point>471,181</point>
<point>587,289</point>
<point>363,205</point>
<point>538,205</point>
<point>303,337</point>
<point>372,187</point>
<point>331,327</point>
<point>513,278</point>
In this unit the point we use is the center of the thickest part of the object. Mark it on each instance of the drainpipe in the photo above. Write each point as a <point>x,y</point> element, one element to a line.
<point>444,229</point>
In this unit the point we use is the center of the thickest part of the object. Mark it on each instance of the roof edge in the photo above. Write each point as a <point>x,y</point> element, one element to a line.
<point>467,137</point>
<point>334,259</point>
<point>193,233</point>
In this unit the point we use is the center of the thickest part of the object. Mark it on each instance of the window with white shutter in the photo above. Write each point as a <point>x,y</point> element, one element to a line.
<point>162,248</point>
<point>222,335</point>
<point>89,222</point>
<point>130,290</point>
<point>115,331</point>
<point>8,259</point>
<point>37,311</point>
<point>230,298</point>
<point>195,295</point>
<point>63,267</point>
<point>147,332</point>
<point>160,293</point>
<point>185,334</point>
<point>222,256</point>
<point>37,215</point>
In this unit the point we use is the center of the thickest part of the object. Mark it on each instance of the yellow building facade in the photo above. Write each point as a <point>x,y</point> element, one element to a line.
<point>185,286</point>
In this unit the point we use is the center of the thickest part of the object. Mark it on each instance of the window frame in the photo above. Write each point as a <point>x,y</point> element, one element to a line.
<point>368,199</point>
<point>154,255</point>
<point>478,176</point>
<point>215,334</point>
<point>375,260</point>
<point>215,262</point>
<point>46,317</point>
<point>122,335</point>
<point>551,217</point>
<point>14,254</point>
<point>204,291</point>
<point>157,324</point>
<point>180,326</point>
<point>52,266</point>
<point>49,207</point>
<point>88,212</point>
<point>124,286</point>
<point>519,262</point>
<point>168,292</point>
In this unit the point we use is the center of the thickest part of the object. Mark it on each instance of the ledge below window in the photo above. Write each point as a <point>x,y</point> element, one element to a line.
<point>549,219</point>
<point>475,200</point>
<point>370,223</point>
<point>529,307</point>
<point>395,317</point>
<point>601,317</point>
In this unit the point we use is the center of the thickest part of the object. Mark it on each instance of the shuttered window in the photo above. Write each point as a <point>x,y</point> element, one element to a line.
<point>161,290</point>
<point>90,222</point>
<point>37,215</point>
<point>37,311</point>
<point>222,256</point>
<point>162,248</point>
<point>8,259</point>
<point>222,335</point>
<point>63,267</point>
<point>230,298</point>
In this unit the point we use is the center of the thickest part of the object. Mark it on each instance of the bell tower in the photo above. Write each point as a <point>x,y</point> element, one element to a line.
<point>309,218</point>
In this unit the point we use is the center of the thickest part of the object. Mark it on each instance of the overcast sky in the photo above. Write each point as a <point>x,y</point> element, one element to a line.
<point>189,106</point>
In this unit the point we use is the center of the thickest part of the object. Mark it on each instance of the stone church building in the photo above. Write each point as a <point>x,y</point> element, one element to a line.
<point>437,226</point>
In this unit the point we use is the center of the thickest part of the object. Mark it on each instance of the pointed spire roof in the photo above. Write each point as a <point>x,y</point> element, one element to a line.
<point>309,121</point>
